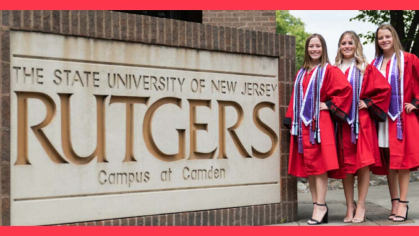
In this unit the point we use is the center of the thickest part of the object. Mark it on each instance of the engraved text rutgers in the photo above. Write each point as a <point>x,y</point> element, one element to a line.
<point>99,153</point>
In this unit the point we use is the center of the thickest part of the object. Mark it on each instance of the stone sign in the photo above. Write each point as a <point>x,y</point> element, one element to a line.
<point>104,129</point>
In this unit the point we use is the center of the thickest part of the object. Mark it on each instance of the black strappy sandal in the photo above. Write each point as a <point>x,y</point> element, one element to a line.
<point>325,218</point>
<point>392,200</point>
<point>403,218</point>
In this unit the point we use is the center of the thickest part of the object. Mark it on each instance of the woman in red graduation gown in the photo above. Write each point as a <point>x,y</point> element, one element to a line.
<point>397,136</point>
<point>319,89</point>
<point>358,146</point>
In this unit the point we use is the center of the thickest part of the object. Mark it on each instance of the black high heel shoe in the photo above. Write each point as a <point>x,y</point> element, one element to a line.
<point>325,218</point>
<point>392,200</point>
<point>402,218</point>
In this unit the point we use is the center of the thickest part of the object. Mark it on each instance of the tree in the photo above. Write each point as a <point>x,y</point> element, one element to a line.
<point>290,25</point>
<point>406,24</point>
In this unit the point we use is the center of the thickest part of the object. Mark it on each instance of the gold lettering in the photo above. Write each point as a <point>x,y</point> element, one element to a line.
<point>148,136</point>
<point>265,129</point>
<point>221,114</point>
<point>194,127</point>
<point>22,127</point>
<point>66,131</point>
<point>129,134</point>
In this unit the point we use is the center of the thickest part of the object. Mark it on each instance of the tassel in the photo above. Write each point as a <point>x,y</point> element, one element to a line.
<point>318,136</point>
<point>294,129</point>
<point>300,144</point>
<point>399,129</point>
<point>357,128</point>
<point>311,134</point>
<point>353,137</point>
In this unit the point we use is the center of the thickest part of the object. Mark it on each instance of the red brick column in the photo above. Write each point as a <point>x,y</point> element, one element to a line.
<point>5,119</point>
<point>286,84</point>
<point>251,20</point>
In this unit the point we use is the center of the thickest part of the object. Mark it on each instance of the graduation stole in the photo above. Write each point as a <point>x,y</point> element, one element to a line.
<point>396,81</point>
<point>355,78</point>
<point>307,106</point>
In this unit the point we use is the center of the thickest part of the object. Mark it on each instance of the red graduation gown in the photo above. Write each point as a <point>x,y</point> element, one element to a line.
<point>321,157</point>
<point>375,92</point>
<point>404,154</point>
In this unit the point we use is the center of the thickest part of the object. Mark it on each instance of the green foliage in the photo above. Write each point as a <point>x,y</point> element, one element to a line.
<point>380,17</point>
<point>375,17</point>
<point>290,25</point>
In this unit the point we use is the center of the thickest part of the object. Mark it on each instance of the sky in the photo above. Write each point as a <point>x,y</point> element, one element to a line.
<point>331,24</point>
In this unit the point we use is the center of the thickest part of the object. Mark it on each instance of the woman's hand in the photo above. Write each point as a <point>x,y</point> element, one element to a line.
<point>409,107</point>
<point>362,105</point>
<point>323,106</point>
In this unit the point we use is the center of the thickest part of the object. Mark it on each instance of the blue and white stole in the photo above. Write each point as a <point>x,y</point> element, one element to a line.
<point>396,81</point>
<point>355,78</point>
<point>307,106</point>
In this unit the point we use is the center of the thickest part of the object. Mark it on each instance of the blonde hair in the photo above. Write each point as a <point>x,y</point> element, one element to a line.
<point>323,59</point>
<point>398,48</point>
<point>358,55</point>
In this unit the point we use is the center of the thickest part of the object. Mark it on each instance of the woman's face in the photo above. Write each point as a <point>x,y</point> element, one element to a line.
<point>385,39</point>
<point>347,47</point>
<point>315,49</point>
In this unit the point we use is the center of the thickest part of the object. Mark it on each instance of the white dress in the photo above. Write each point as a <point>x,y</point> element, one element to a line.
<point>383,128</point>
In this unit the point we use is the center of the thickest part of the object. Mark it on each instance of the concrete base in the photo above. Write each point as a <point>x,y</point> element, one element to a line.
<point>378,208</point>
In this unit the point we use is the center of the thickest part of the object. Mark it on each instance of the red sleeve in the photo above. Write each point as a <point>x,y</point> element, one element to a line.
<point>338,91</point>
<point>288,116</point>
<point>376,93</point>
<point>415,75</point>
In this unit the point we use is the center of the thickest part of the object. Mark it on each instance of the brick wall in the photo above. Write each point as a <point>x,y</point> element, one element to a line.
<point>251,20</point>
<point>285,84</point>
<point>5,121</point>
<point>149,30</point>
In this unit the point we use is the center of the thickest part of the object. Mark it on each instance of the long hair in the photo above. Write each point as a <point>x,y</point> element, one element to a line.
<point>359,54</point>
<point>398,48</point>
<point>323,59</point>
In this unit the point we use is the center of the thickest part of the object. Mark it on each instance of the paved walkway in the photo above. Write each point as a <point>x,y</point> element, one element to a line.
<point>378,207</point>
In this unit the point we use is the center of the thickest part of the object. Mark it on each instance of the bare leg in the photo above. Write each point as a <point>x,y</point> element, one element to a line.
<point>404,176</point>
<point>393,186</point>
<point>348,188</point>
<point>312,185</point>
<point>363,185</point>
<point>392,181</point>
<point>321,189</point>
